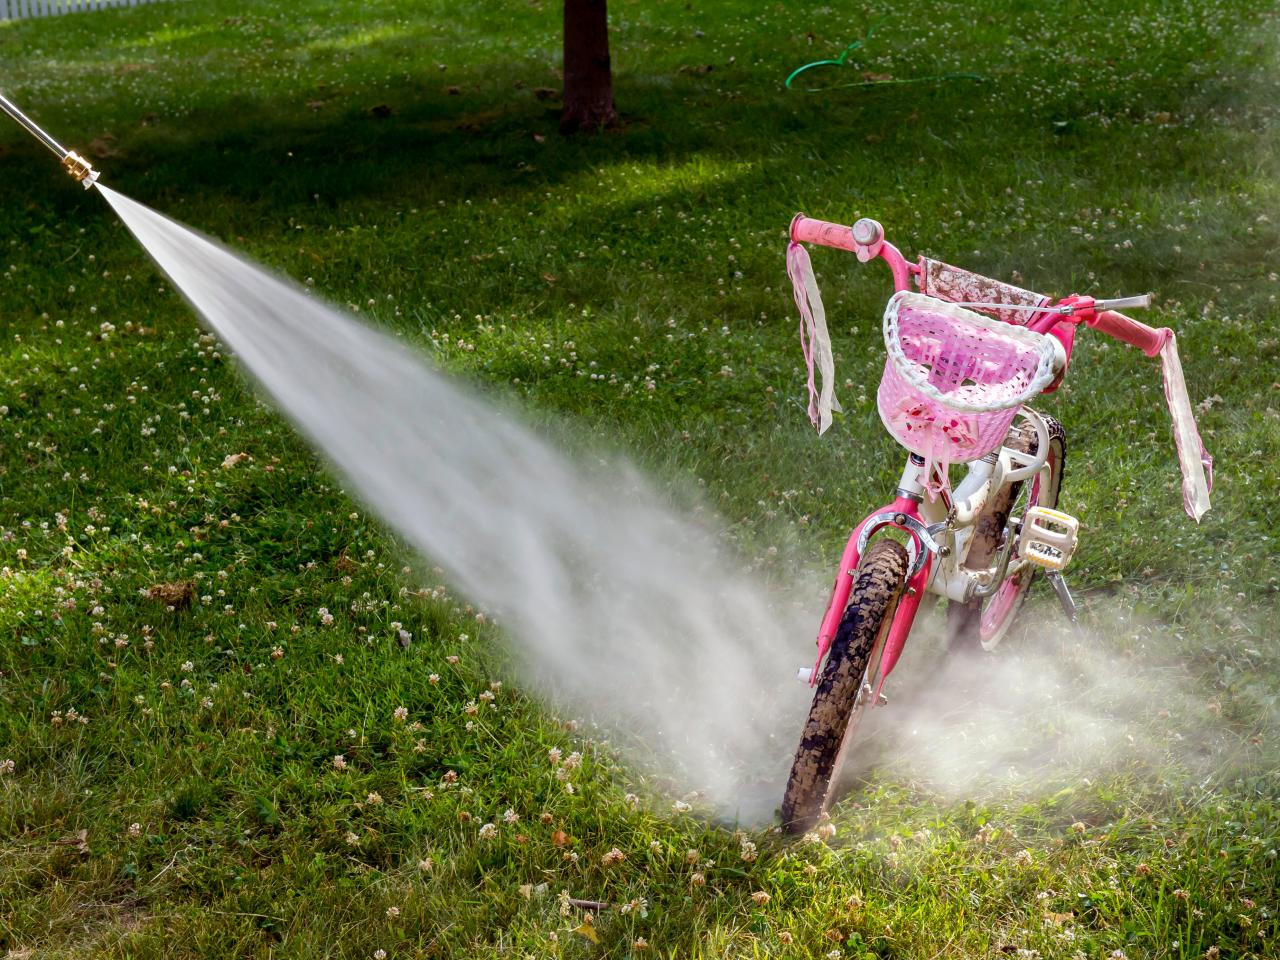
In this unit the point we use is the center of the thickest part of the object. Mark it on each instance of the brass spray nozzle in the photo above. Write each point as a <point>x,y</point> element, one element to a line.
<point>79,168</point>
<point>72,162</point>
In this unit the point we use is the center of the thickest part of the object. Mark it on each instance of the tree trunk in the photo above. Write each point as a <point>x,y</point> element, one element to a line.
<point>588,78</point>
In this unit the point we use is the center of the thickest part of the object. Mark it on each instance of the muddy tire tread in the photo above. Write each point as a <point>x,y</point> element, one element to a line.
<point>882,574</point>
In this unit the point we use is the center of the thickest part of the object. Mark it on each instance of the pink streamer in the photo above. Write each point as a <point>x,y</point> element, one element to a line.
<point>815,340</point>
<point>1193,459</point>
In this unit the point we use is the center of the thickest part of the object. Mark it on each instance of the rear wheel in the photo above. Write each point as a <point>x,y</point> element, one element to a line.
<point>839,699</point>
<point>983,622</point>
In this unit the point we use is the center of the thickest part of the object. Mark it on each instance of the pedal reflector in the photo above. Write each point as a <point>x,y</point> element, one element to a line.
<point>1048,537</point>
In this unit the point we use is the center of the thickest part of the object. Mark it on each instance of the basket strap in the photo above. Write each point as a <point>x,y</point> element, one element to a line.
<point>815,340</point>
<point>937,474</point>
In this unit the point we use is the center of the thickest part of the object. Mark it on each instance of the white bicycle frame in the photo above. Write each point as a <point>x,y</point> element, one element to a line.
<point>951,520</point>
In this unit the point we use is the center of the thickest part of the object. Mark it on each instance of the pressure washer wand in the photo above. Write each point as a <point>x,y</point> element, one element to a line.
<point>72,162</point>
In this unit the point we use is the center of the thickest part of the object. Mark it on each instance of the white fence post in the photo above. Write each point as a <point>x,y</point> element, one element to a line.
<point>23,9</point>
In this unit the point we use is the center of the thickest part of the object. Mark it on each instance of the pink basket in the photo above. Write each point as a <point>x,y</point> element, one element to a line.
<point>954,379</point>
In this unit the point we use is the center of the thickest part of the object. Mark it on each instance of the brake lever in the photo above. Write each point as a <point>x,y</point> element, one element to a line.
<point>1123,303</point>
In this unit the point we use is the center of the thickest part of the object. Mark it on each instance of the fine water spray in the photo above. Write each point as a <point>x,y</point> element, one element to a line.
<point>615,603</point>
<point>72,162</point>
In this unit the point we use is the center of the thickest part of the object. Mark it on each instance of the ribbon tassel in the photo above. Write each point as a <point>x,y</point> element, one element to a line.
<point>815,340</point>
<point>1193,459</point>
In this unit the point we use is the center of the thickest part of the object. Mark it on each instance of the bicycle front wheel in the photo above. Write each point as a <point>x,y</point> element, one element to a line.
<point>840,696</point>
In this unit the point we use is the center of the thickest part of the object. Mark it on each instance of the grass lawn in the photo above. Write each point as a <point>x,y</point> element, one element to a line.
<point>232,778</point>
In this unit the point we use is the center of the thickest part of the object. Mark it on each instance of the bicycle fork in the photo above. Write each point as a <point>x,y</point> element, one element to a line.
<point>903,514</point>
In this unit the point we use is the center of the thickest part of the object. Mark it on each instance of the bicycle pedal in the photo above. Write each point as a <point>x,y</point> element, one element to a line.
<point>1048,538</point>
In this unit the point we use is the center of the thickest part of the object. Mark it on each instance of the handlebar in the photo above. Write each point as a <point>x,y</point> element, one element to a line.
<point>1142,300</point>
<point>866,239</point>
<point>807,230</point>
<point>1147,339</point>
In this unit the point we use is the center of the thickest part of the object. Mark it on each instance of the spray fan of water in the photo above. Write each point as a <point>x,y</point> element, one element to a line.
<point>624,605</point>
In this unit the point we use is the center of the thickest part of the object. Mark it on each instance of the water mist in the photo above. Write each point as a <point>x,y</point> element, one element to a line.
<point>612,598</point>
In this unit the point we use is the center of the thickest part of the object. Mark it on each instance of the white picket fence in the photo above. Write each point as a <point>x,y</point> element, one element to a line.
<point>22,9</point>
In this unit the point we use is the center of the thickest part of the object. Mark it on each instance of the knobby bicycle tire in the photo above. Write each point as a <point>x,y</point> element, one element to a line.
<point>873,599</point>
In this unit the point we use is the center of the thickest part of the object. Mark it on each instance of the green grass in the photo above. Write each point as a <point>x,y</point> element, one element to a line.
<point>1111,148</point>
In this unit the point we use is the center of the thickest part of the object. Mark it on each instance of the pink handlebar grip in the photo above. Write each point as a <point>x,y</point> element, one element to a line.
<point>806,230</point>
<point>1147,339</point>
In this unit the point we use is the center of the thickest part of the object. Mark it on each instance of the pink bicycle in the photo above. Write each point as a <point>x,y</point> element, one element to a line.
<point>965,355</point>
